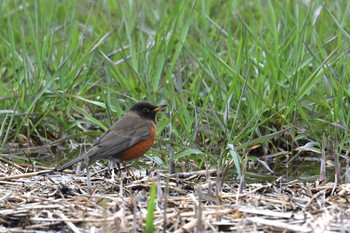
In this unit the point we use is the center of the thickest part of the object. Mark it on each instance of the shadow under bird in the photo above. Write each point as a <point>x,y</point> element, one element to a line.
<point>128,139</point>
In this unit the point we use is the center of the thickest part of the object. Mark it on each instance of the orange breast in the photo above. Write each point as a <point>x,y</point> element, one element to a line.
<point>140,148</point>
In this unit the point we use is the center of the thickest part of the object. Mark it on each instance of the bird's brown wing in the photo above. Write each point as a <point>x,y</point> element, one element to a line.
<point>124,134</point>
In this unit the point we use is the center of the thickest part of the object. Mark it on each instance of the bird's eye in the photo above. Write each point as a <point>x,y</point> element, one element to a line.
<point>145,110</point>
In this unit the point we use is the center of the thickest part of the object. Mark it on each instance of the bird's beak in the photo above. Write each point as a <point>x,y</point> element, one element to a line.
<point>159,107</point>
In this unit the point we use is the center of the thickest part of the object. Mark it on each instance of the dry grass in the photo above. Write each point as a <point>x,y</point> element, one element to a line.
<point>39,202</point>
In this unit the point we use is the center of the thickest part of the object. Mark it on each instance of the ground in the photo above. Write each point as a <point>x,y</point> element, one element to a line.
<point>186,202</point>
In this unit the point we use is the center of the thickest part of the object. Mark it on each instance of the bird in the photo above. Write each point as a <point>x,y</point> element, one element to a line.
<point>128,139</point>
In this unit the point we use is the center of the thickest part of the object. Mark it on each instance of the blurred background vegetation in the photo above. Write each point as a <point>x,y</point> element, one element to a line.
<point>269,79</point>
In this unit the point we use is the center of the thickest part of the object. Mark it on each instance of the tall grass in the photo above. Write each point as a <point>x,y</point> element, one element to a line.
<point>231,71</point>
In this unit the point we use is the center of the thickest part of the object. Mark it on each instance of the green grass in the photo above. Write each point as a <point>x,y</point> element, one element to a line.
<point>151,208</point>
<point>234,71</point>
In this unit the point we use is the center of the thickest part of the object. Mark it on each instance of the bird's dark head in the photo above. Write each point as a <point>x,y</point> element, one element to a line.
<point>147,110</point>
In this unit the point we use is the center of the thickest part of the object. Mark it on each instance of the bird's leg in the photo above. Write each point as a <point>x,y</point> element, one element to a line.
<point>117,169</point>
<point>111,165</point>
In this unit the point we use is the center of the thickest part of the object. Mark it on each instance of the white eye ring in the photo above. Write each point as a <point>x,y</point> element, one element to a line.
<point>145,110</point>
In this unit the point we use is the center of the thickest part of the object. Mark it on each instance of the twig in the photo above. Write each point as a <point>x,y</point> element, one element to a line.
<point>26,175</point>
<point>69,223</point>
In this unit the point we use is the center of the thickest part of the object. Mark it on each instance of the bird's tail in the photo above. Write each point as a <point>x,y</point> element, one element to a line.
<point>72,162</point>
